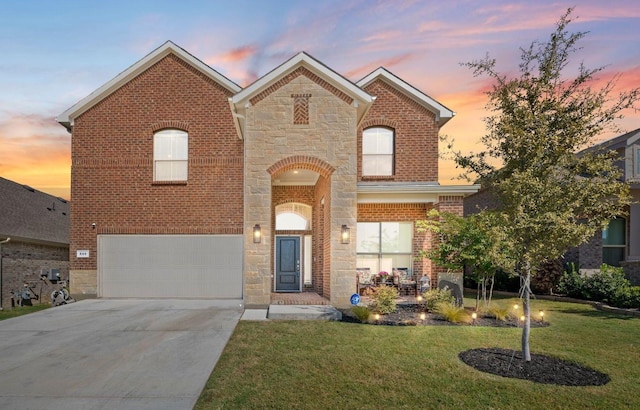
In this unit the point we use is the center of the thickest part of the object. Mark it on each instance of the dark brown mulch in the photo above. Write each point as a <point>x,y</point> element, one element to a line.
<point>541,368</point>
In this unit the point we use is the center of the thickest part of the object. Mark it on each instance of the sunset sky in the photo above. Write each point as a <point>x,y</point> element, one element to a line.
<point>54,53</point>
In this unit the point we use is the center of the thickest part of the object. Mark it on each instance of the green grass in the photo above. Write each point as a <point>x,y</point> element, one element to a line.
<point>332,365</point>
<point>19,311</point>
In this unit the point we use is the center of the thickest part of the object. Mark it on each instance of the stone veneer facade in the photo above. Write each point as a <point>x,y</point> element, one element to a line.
<point>327,142</point>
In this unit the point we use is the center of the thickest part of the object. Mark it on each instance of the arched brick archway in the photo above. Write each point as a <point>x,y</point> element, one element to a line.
<point>318,197</point>
<point>301,162</point>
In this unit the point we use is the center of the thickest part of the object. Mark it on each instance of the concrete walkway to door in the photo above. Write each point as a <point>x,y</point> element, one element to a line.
<point>113,354</point>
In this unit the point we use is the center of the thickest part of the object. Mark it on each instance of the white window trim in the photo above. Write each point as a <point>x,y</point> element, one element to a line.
<point>184,161</point>
<point>392,155</point>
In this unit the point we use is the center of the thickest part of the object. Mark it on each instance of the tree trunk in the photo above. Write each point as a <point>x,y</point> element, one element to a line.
<point>526,311</point>
<point>493,281</point>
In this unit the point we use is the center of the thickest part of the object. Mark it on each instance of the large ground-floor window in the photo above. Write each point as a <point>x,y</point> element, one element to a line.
<point>384,246</point>
<point>614,242</point>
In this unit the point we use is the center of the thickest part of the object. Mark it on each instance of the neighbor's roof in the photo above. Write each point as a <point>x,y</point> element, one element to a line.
<point>28,214</point>
<point>620,141</point>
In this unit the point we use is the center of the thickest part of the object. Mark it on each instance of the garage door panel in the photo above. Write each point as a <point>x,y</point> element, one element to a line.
<point>185,266</point>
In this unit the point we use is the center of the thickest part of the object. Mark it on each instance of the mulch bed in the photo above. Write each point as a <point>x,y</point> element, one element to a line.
<point>541,368</point>
<point>501,362</point>
<point>409,315</point>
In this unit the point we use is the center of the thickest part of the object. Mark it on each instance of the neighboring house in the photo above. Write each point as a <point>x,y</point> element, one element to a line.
<point>38,225</point>
<point>619,244</point>
<point>186,185</point>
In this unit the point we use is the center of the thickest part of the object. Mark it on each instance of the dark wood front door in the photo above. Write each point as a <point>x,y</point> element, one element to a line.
<point>287,264</point>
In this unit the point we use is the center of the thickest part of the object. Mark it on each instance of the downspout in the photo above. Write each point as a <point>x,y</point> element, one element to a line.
<point>1,284</point>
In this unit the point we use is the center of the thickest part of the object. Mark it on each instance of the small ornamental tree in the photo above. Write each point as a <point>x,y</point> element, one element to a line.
<point>549,198</point>
<point>473,242</point>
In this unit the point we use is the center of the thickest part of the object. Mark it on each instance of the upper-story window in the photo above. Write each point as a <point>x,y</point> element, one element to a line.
<point>377,151</point>
<point>170,155</point>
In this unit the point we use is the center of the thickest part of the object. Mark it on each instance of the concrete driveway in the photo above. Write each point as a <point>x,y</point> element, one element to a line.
<point>113,354</point>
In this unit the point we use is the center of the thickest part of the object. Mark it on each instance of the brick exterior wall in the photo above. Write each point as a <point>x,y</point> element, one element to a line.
<point>112,164</point>
<point>23,262</point>
<point>416,134</point>
<point>112,169</point>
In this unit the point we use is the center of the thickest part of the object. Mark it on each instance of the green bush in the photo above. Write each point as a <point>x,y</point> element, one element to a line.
<point>627,297</point>
<point>608,286</point>
<point>452,313</point>
<point>362,313</point>
<point>571,283</point>
<point>434,296</point>
<point>604,285</point>
<point>383,299</point>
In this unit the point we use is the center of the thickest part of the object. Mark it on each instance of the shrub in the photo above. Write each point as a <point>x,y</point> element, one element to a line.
<point>627,297</point>
<point>604,285</point>
<point>546,278</point>
<point>571,283</point>
<point>609,286</point>
<point>362,313</point>
<point>452,313</point>
<point>383,299</point>
<point>434,296</point>
<point>498,313</point>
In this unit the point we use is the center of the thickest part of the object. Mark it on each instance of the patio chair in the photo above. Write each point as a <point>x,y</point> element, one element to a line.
<point>406,282</point>
<point>363,279</point>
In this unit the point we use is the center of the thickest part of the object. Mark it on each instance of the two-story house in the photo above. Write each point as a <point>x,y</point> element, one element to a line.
<point>185,184</point>
<point>619,244</point>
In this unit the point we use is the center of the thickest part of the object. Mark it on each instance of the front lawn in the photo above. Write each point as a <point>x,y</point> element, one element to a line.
<point>327,365</point>
<point>23,310</point>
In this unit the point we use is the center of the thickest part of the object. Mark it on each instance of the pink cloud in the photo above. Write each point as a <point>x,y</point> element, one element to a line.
<point>359,72</point>
<point>36,151</point>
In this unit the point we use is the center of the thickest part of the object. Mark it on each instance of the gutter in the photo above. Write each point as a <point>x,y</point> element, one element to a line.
<point>1,284</point>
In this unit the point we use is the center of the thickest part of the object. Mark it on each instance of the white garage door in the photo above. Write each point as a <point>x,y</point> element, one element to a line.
<point>180,266</point>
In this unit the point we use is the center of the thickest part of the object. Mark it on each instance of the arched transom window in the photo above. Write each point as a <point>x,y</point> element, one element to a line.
<point>293,216</point>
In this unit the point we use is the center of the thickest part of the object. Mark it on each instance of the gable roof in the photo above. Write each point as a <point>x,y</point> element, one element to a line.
<point>242,100</point>
<point>67,117</point>
<point>615,143</point>
<point>28,214</point>
<point>442,113</point>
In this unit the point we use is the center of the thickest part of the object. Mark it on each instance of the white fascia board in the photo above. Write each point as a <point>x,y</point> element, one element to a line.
<point>634,138</point>
<point>414,188</point>
<point>443,114</point>
<point>67,117</point>
<point>313,65</point>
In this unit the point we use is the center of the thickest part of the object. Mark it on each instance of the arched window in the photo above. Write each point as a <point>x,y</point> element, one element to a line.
<point>377,151</point>
<point>170,155</point>
<point>293,216</point>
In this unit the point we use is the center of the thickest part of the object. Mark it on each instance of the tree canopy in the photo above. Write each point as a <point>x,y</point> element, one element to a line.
<point>550,199</point>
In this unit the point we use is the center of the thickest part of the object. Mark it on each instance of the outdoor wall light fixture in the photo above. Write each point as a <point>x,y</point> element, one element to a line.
<point>257,234</point>
<point>345,234</point>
